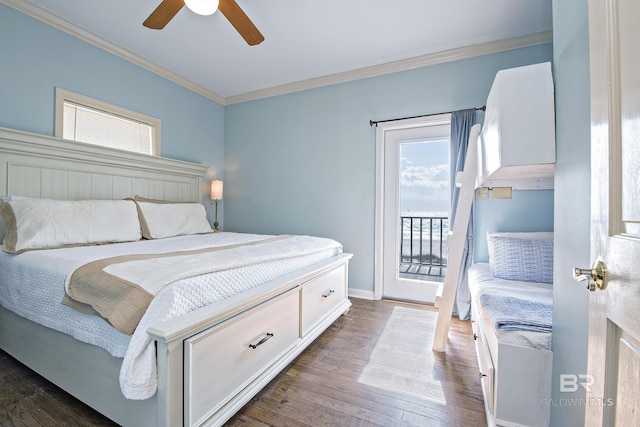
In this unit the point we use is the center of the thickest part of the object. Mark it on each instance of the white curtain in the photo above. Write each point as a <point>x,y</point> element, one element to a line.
<point>461,123</point>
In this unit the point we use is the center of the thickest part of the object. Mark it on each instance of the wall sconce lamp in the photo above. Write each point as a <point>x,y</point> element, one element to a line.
<point>216,195</point>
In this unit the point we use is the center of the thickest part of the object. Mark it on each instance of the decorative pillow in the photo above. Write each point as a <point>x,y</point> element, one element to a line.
<point>533,235</point>
<point>527,260</point>
<point>160,219</point>
<point>46,224</point>
<point>8,199</point>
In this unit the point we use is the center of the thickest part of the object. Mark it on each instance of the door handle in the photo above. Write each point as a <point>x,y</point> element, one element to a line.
<point>262,341</point>
<point>595,276</point>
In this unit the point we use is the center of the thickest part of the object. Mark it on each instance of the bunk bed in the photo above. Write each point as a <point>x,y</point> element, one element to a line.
<point>512,303</point>
<point>195,363</point>
<point>517,144</point>
<point>511,294</point>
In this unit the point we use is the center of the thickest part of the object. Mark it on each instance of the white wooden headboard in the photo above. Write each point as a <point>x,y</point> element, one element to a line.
<point>45,167</point>
<point>40,166</point>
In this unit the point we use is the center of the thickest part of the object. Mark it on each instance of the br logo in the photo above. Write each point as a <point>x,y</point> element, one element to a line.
<point>570,382</point>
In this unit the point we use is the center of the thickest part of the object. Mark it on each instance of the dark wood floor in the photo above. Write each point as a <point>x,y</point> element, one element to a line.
<point>372,367</point>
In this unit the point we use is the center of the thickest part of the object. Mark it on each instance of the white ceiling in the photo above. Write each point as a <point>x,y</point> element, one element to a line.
<point>304,40</point>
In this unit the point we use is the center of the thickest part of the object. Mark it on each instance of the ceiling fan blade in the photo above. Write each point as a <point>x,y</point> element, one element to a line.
<point>160,17</point>
<point>241,22</point>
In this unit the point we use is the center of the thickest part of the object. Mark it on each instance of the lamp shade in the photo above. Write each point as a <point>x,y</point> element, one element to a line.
<point>216,189</point>
<point>202,7</point>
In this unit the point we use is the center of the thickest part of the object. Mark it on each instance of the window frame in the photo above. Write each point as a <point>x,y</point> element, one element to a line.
<point>63,95</point>
<point>387,222</point>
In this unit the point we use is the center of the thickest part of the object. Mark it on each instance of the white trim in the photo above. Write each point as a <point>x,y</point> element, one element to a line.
<point>89,37</point>
<point>38,145</point>
<point>362,294</point>
<point>63,95</point>
<point>381,129</point>
<point>450,55</point>
<point>378,272</point>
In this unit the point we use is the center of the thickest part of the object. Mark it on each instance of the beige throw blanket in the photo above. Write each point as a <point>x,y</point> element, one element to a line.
<point>120,288</point>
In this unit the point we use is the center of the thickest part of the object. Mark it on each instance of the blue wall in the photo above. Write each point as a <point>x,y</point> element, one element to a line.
<point>527,210</point>
<point>572,195</point>
<point>296,163</point>
<point>36,58</point>
<point>305,162</point>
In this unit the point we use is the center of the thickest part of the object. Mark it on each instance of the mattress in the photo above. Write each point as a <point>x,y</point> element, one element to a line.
<point>482,281</point>
<point>32,285</point>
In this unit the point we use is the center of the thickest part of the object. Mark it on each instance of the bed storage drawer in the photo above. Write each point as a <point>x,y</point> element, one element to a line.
<point>485,365</point>
<point>224,359</point>
<point>320,295</point>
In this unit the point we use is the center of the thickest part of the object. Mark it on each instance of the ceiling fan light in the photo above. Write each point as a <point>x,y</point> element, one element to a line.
<point>202,7</point>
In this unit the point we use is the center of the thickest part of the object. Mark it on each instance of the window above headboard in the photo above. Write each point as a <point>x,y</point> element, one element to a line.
<point>84,119</point>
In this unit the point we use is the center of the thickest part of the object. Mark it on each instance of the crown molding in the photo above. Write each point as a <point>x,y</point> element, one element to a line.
<point>401,65</point>
<point>49,18</point>
<point>450,55</point>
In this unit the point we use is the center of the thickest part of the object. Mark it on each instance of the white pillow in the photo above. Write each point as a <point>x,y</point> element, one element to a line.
<point>532,235</point>
<point>11,198</point>
<point>46,224</point>
<point>165,219</point>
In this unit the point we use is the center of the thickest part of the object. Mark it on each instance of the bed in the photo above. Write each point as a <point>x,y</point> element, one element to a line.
<point>511,312</point>
<point>191,358</point>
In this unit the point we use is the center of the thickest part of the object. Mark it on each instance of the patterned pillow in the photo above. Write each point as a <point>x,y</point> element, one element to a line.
<point>533,235</point>
<point>527,260</point>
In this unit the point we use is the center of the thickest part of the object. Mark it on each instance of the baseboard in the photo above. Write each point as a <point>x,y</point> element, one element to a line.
<point>362,294</point>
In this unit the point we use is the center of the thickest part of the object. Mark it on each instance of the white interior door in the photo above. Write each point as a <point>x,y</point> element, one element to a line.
<point>395,285</point>
<point>613,382</point>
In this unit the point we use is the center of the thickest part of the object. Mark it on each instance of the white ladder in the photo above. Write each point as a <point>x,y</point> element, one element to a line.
<point>466,180</point>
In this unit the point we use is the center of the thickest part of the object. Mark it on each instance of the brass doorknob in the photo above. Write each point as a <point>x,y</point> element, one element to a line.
<point>595,276</point>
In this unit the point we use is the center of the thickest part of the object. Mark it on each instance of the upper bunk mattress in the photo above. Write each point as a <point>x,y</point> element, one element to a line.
<point>539,296</point>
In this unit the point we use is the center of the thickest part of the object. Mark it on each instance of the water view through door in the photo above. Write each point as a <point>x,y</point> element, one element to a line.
<point>416,210</point>
<point>424,205</point>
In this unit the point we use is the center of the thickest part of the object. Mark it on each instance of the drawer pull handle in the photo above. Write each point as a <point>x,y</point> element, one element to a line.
<point>262,341</point>
<point>328,293</point>
<point>475,337</point>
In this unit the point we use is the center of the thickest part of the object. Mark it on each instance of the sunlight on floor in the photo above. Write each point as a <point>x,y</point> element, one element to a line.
<point>402,359</point>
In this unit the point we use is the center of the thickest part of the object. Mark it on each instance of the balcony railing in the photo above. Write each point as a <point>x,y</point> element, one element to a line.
<point>424,249</point>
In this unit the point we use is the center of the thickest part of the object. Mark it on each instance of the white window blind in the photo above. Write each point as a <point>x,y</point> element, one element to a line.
<point>85,124</point>
<point>82,119</point>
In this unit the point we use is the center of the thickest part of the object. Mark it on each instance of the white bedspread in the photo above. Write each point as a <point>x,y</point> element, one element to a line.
<point>482,281</point>
<point>35,293</point>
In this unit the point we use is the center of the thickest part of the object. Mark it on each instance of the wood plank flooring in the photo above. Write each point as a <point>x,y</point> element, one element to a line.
<point>372,367</point>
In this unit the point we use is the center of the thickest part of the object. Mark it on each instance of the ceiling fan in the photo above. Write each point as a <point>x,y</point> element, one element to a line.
<point>160,17</point>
